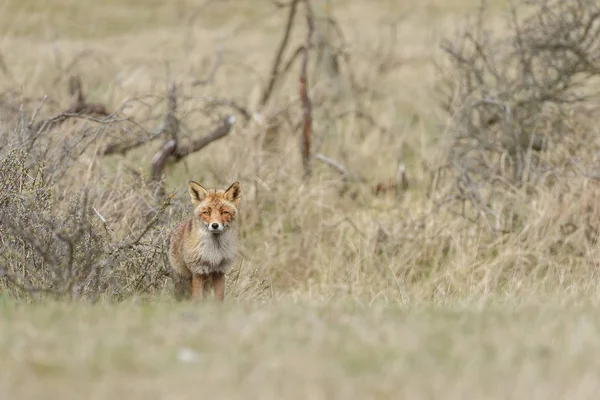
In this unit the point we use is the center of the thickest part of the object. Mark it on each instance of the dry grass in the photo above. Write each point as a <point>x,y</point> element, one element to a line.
<point>338,292</point>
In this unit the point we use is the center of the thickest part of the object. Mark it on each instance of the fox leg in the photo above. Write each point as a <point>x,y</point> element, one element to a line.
<point>219,285</point>
<point>183,286</point>
<point>207,284</point>
<point>198,286</point>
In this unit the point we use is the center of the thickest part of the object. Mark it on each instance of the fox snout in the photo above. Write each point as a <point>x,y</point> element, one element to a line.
<point>215,227</point>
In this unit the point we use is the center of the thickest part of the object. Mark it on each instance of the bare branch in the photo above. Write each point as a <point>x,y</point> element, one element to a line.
<point>215,102</point>
<point>172,149</point>
<point>363,115</point>
<point>304,97</point>
<point>220,132</point>
<point>81,55</point>
<point>124,147</point>
<point>282,46</point>
<point>170,127</point>
<point>159,160</point>
<point>149,225</point>
<point>213,71</point>
<point>333,164</point>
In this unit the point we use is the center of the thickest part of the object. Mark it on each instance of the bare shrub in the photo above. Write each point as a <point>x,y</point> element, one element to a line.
<point>54,242</point>
<point>515,103</point>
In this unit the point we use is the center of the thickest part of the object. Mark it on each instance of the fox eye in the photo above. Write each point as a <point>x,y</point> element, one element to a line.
<point>224,212</point>
<point>206,213</point>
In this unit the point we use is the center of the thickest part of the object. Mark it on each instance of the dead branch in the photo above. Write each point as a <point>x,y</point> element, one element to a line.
<point>220,132</point>
<point>171,149</point>
<point>4,67</point>
<point>35,113</point>
<point>78,57</point>
<point>124,147</point>
<point>508,97</point>
<point>282,46</point>
<point>79,107</point>
<point>334,165</point>
<point>160,159</point>
<point>79,104</point>
<point>171,125</point>
<point>365,116</point>
<point>213,71</point>
<point>401,178</point>
<point>304,97</point>
<point>288,65</point>
<point>170,128</point>
<point>216,102</point>
<point>130,243</point>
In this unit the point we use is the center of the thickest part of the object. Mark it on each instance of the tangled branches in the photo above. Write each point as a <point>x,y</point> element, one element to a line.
<point>68,252</point>
<point>514,95</point>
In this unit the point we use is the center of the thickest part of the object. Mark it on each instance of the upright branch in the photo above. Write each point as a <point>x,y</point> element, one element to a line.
<point>213,71</point>
<point>171,125</point>
<point>79,104</point>
<point>282,46</point>
<point>304,97</point>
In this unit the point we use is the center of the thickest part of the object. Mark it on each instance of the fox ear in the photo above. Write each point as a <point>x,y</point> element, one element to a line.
<point>234,193</point>
<point>197,193</point>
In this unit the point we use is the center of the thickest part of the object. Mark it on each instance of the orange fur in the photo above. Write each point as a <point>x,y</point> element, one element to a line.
<point>202,248</point>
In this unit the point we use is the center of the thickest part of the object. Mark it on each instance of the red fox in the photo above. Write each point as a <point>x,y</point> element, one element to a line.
<point>202,248</point>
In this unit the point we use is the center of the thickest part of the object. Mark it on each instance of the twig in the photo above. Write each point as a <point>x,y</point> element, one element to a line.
<point>104,222</point>
<point>79,108</point>
<point>363,115</point>
<point>4,67</point>
<point>216,102</point>
<point>333,164</point>
<point>129,244</point>
<point>288,65</point>
<point>35,113</point>
<point>71,65</point>
<point>213,71</point>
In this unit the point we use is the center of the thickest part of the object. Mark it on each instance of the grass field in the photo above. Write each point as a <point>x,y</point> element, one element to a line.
<point>336,294</point>
<point>341,350</point>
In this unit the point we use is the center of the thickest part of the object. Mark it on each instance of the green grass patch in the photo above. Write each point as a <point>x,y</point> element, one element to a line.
<point>498,350</point>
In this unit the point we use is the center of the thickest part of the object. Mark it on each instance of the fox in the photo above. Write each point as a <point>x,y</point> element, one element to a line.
<point>202,248</point>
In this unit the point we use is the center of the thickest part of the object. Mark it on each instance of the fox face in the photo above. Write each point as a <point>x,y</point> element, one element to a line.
<point>216,209</point>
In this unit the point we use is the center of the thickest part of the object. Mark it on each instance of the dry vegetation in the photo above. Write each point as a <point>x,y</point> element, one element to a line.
<point>389,152</point>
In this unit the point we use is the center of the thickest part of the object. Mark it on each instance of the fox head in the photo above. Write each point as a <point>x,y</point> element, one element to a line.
<point>216,209</point>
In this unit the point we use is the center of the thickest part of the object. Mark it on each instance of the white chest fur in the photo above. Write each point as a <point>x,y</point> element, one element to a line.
<point>214,253</point>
